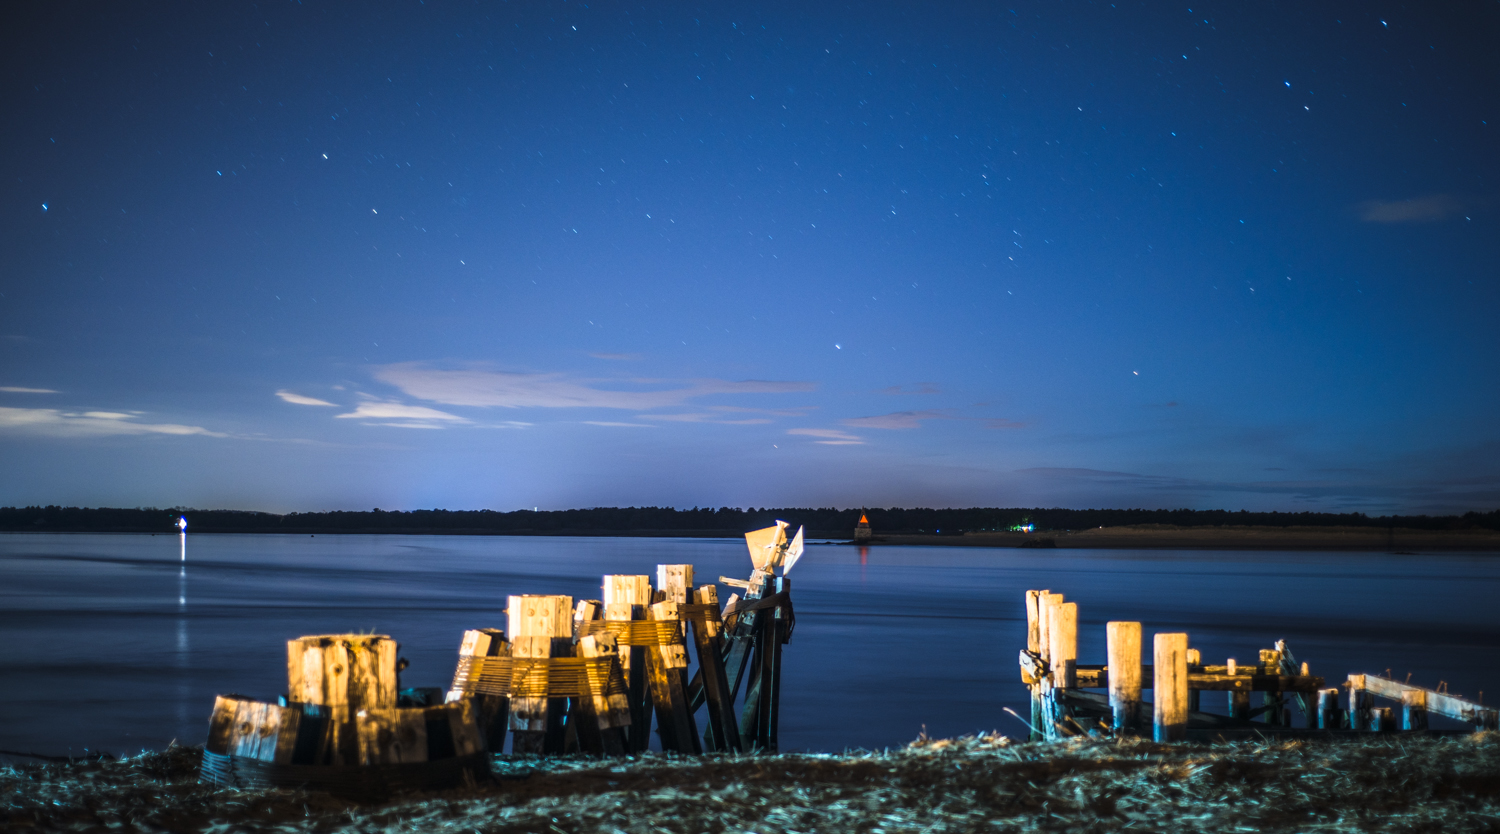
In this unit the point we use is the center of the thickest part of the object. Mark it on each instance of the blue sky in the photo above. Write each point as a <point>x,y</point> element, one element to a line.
<point>313,256</point>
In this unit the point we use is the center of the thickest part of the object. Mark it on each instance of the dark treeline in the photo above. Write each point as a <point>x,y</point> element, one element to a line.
<point>825,522</point>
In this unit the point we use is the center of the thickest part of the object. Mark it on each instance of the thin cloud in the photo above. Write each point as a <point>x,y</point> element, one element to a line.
<point>619,357</point>
<point>896,420</point>
<point>409,416</point>
<point>54,423</point>
<point>484,388</point>
<point>914,388</point>
<point>617,425</point>
<point>298,399</point>
<point>831,437</point>
<point>1427,209</point>
<point>708,418</point>
<point>12,389</point>
<point>1002,423</point>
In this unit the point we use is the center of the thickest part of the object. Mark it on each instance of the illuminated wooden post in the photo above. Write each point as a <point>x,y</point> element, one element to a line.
<point>625,598</point>
<point>1063,633</point>
<point>1124,646</point>
<point>492,711</point>
<point>1169,691</point>
<point>540,627</point>
<point>664,665</point>
<point>342,674</point>
<point>1414,709</point>
<point>722,733</point>
<point>1034,645</point>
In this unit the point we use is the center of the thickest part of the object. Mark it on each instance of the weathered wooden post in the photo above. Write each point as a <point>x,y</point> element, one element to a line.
<point>1239,699</point>
<point>1361,704</point>
<point>625,598</point>
<point>1035,647</point>
<point>722,733</point>
<point>342,674</point>
<point>1414,709</point>
<point>1330,715</point>
<point>492,711</point>
<point>602,718</point>
<point>1195,664</point>
<point>1383,720</point>
<point>1273,700</point>
<point>1063,632</point>
<point>1124,659</point>
<point>540,627</point>
<point>1170,687</point>
<point>674,723</point>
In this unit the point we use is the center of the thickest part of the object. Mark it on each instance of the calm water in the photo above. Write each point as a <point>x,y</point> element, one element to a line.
<point>111,642</point>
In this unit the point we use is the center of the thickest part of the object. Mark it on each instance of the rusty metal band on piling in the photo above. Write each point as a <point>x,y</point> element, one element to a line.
<point>541,677</point>
<point>636,632</point>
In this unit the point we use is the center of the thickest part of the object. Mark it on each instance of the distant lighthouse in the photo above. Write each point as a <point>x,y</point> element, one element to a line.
<point>862,530</point>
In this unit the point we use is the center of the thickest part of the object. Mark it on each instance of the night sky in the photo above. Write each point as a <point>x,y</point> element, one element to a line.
<point>313,256</point>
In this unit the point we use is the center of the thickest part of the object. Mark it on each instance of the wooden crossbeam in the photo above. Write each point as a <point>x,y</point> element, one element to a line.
<point>1437,703</point>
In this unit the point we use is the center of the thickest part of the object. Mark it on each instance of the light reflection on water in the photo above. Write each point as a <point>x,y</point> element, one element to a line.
<point>97,655</point>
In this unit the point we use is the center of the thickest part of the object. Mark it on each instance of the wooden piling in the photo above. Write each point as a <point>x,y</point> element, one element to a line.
<point>342,674</point>
<point>1361,704</point>
<point>675,582</point>
<point>539,626</point>
<point>625,598</point>
<point>1383,720</point>
<point>674,723</point>
<point>1414,709</point>
<point>722,733</point>
<point>1035,613</point>
<point>601,720</point>
<point>1330,714</point>
<point>1124,658</point>
<point>492,711</point>
<point>1170,687</point>
<point>1063,634</point>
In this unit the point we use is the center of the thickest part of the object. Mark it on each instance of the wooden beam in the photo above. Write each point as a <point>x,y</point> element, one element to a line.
<point>1437,703</point>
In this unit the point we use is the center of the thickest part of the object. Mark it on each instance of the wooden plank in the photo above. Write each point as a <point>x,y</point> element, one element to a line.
<point>1033,622</point>
<point>392,735</point>
<point>1124,651</point>
<point>1170,688</point>
<point>221,724</point>
<point>625,598</point>
<point>1414,709</point>
<point>491,712</point>
<point>674,723</point>
<point>722,733</point>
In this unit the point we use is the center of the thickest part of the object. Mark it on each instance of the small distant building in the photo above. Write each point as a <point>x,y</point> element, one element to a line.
<point>862,529</point>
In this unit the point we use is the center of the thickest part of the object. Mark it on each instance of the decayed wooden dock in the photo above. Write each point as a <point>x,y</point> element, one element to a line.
<point>1065,700</point>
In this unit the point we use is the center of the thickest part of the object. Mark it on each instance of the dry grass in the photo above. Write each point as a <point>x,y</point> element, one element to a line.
<point>985,783</point>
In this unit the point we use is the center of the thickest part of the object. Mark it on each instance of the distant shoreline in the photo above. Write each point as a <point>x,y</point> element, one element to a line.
<point>1164,537</point>
<point>1137,537</point>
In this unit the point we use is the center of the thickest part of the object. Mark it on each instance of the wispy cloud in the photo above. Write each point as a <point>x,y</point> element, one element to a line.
<point>406,416</point>
<point>701,417</point>
<point>486,388</point>
<point>1002,423</point>
<point>913,388</point>
<point>896,420</point>
<point>1427,209</point>
<point>617,425</point>
<point>55,423</point>
<point>298,399</point>
<point>618,357</point>
<point>831,437</point>
<point>12,389</point>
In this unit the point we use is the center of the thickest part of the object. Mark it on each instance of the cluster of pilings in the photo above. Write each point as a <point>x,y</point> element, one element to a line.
<point>1062,704</point>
